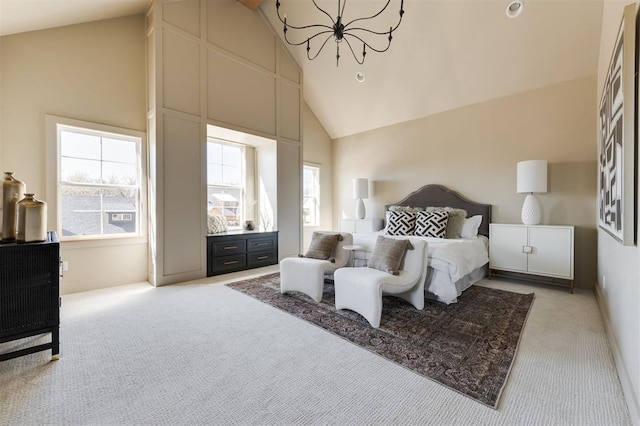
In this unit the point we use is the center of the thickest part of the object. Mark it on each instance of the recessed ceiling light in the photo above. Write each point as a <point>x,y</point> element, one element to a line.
<point>514,9</point>
<point>360,77</point>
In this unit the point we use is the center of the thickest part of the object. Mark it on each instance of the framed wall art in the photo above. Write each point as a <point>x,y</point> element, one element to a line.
<point>617,137</point>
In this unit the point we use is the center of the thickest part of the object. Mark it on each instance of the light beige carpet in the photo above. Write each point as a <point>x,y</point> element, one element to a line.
<point>205,354</point>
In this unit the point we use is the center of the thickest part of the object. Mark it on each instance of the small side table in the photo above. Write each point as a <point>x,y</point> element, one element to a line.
<point>352,248</point>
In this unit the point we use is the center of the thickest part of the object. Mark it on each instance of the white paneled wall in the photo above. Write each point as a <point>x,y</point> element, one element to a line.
<point>215,62</point>
<point>182,172</point>
<point>240,95</point>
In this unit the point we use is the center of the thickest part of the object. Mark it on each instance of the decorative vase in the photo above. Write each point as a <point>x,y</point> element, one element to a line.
<point>32,220</point>
<point>12,192</point>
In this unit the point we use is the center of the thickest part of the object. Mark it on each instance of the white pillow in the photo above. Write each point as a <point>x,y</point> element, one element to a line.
<point>216,224</point>
<point>470,227</point>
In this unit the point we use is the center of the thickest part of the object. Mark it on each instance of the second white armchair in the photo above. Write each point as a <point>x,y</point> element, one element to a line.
<point>307,275</point>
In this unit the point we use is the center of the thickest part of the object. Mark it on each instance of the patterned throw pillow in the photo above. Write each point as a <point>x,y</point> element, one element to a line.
<point>216,224</point>
<point>456,220</point>
<point>322,245</point>
<point>401,223</point>
<point>388,254</point>
<point>432,224</point>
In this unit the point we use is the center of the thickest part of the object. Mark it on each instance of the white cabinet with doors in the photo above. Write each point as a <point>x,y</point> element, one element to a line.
<point>539,250</point>
<point>356,226</point>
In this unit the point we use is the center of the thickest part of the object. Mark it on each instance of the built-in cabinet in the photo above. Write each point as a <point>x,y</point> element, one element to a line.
<point>30,294</point>
<point>539,250</point>
<point>237,251</point>
<point>356,226</point>
<point>200,73</point>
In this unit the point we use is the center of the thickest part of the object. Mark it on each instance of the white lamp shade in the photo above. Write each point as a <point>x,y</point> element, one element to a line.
<point>360,188</point>
<point>532,176</point>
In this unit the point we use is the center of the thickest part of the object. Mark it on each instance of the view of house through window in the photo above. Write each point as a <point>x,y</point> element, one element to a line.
<point>241,180</point>
<point>226,181</point>
<point>99,183</point>
<point>311,195</point>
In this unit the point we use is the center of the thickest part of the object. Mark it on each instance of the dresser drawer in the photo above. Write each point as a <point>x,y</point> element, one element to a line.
<point>239,250</point>
<point>261,258</point>
<point>260,244</point>
<point>228,247</point>
<point>228,263</point>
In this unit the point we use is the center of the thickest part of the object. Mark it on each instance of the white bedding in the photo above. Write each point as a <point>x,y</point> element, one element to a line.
<point>454,259</point>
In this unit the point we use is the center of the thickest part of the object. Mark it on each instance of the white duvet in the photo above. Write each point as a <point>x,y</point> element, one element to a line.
<point>454,257</point>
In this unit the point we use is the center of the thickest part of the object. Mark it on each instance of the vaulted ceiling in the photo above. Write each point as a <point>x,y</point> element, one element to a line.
<point>446,54</point>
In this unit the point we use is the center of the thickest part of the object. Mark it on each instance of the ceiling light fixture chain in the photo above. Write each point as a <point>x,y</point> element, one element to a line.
<point>341,31</point>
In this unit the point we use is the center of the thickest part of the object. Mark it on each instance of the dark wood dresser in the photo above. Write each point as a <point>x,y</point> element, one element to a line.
<point>30,294</point>
<point>239,250</point>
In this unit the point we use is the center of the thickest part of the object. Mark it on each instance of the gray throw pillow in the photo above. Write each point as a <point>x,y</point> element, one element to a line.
<point>388,254</point>
<point>322,245</point>
<point>405,209</point>
<point>455,222</point>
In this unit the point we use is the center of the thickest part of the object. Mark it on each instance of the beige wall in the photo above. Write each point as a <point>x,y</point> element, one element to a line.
<point>619,300</point>
<point>92,72</point>
<point>474,150</point>
<point>317,150</point>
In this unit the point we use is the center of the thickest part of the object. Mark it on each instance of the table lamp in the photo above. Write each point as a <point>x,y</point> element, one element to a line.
<point>532,179</point>
<point>360,192</point>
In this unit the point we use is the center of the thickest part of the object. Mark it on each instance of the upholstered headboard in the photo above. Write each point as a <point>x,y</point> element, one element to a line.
<point>441,196</point>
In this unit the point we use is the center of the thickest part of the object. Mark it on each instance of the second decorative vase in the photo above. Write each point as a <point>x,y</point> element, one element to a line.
<point>32,220</point>
<point>12,192</point>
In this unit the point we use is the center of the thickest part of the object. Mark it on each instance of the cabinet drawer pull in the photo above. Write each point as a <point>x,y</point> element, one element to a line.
<point>230,248</point>
<point>262,257</point>
<point>262,244</point>
<point>231,262</point>
<point>527,249</point>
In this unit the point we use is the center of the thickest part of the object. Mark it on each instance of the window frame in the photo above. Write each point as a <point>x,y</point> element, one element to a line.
<point>54,126</point>
<point>316,171</point>
<point>242,205</point>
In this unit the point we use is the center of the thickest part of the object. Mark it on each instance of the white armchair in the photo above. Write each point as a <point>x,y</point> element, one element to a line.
<point>306,275</point>
<point>361,289</point>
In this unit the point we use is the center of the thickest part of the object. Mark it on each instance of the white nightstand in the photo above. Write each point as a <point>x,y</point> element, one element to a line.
<point>542,250</point>
<point>361,225</point>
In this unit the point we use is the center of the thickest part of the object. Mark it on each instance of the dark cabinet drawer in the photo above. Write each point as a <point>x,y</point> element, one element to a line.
<point>261,258</point>
<point>228,247</point>
<point>256,244</point>
<point>238,250</point>
<point>229,263</point>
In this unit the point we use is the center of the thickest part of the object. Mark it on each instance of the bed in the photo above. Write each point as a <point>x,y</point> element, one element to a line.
<point>453,264</point>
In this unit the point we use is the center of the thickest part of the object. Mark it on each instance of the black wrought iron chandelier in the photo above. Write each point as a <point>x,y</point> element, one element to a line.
<point>341,32</point>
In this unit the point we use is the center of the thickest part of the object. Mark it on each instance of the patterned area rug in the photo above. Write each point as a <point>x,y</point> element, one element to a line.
<point>468,346</point>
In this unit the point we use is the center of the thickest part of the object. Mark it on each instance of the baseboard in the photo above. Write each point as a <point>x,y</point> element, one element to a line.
<point>627,385</point>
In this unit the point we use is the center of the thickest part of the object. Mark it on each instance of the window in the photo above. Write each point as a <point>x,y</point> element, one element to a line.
<point>226,181</point>
<point>99,182</point>
<point>311,195</point>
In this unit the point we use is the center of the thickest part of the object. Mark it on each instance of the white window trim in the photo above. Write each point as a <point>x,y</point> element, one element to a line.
<point>243,173</point>
<point>53,177</point>
<point>318,215</point>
